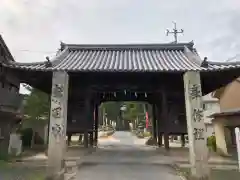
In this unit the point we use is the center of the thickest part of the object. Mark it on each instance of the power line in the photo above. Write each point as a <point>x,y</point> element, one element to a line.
<point>32,51</point>
<point>233,58</point>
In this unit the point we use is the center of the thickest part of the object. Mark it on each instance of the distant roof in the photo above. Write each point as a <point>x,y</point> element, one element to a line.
<point>169,57</point>
<point>229,112</point>
<point>217,93</point>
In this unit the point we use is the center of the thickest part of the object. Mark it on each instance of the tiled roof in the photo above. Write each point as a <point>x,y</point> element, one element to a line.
<point>229,112</point>
<point>179,57</point>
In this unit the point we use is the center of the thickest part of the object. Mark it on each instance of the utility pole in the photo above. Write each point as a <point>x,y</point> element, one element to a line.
<point>175,32</point>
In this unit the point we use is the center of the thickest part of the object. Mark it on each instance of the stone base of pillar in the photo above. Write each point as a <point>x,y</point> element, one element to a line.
<point>58,176</point>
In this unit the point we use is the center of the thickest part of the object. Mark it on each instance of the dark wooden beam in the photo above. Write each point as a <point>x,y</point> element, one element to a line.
<point>154,121</point>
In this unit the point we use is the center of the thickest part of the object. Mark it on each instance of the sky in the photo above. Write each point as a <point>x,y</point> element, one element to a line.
<point>34,29</point>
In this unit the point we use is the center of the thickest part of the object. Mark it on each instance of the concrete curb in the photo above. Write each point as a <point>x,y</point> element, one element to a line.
<point>210,163</point>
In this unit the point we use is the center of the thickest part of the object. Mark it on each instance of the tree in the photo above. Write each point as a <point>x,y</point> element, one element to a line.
<point>133,110</point>
<point>37,105</point>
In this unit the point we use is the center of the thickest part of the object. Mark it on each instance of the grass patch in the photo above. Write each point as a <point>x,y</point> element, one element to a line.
<point>37,176</point>
<point>4,164</point>
<point>26,173</point>
<point>215,174</point>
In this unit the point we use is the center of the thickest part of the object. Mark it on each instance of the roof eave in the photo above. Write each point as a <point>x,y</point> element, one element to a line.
<point>6,49</point>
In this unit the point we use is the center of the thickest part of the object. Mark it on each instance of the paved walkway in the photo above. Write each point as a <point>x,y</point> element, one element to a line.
<point>121,156</point>
<point>124,157</point>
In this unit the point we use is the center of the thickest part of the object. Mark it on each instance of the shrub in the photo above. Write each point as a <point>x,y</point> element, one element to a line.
<point>211,143</point>
<point>147,134</point>
<point>4,156</point>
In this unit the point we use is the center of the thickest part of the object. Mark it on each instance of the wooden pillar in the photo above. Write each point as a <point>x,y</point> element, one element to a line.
<point>91,125</point>
<point>80,138</point>
<point>96,125</point>
<point>85,138</point>
<point>164,107</point>
<point>166,140</point>
<point>183,140</point>
<point>196,128</point>
<point>69,136</point>
<point>58,124</point>
<point>160,142</point>
<point>91,138</point>
<point>159,120</point>
<point>88,119</point>
<point>154,122</point>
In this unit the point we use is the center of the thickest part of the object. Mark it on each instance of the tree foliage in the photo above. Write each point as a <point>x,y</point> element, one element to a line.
<point>133,110</point>
<point>37,105</point>
<point>111,109</point>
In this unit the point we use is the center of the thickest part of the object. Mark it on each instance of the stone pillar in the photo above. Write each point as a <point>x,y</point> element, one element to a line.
<point>58,124</point>
<point>198,150</point>
<point>220,138</point>
<point>228,136</point>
